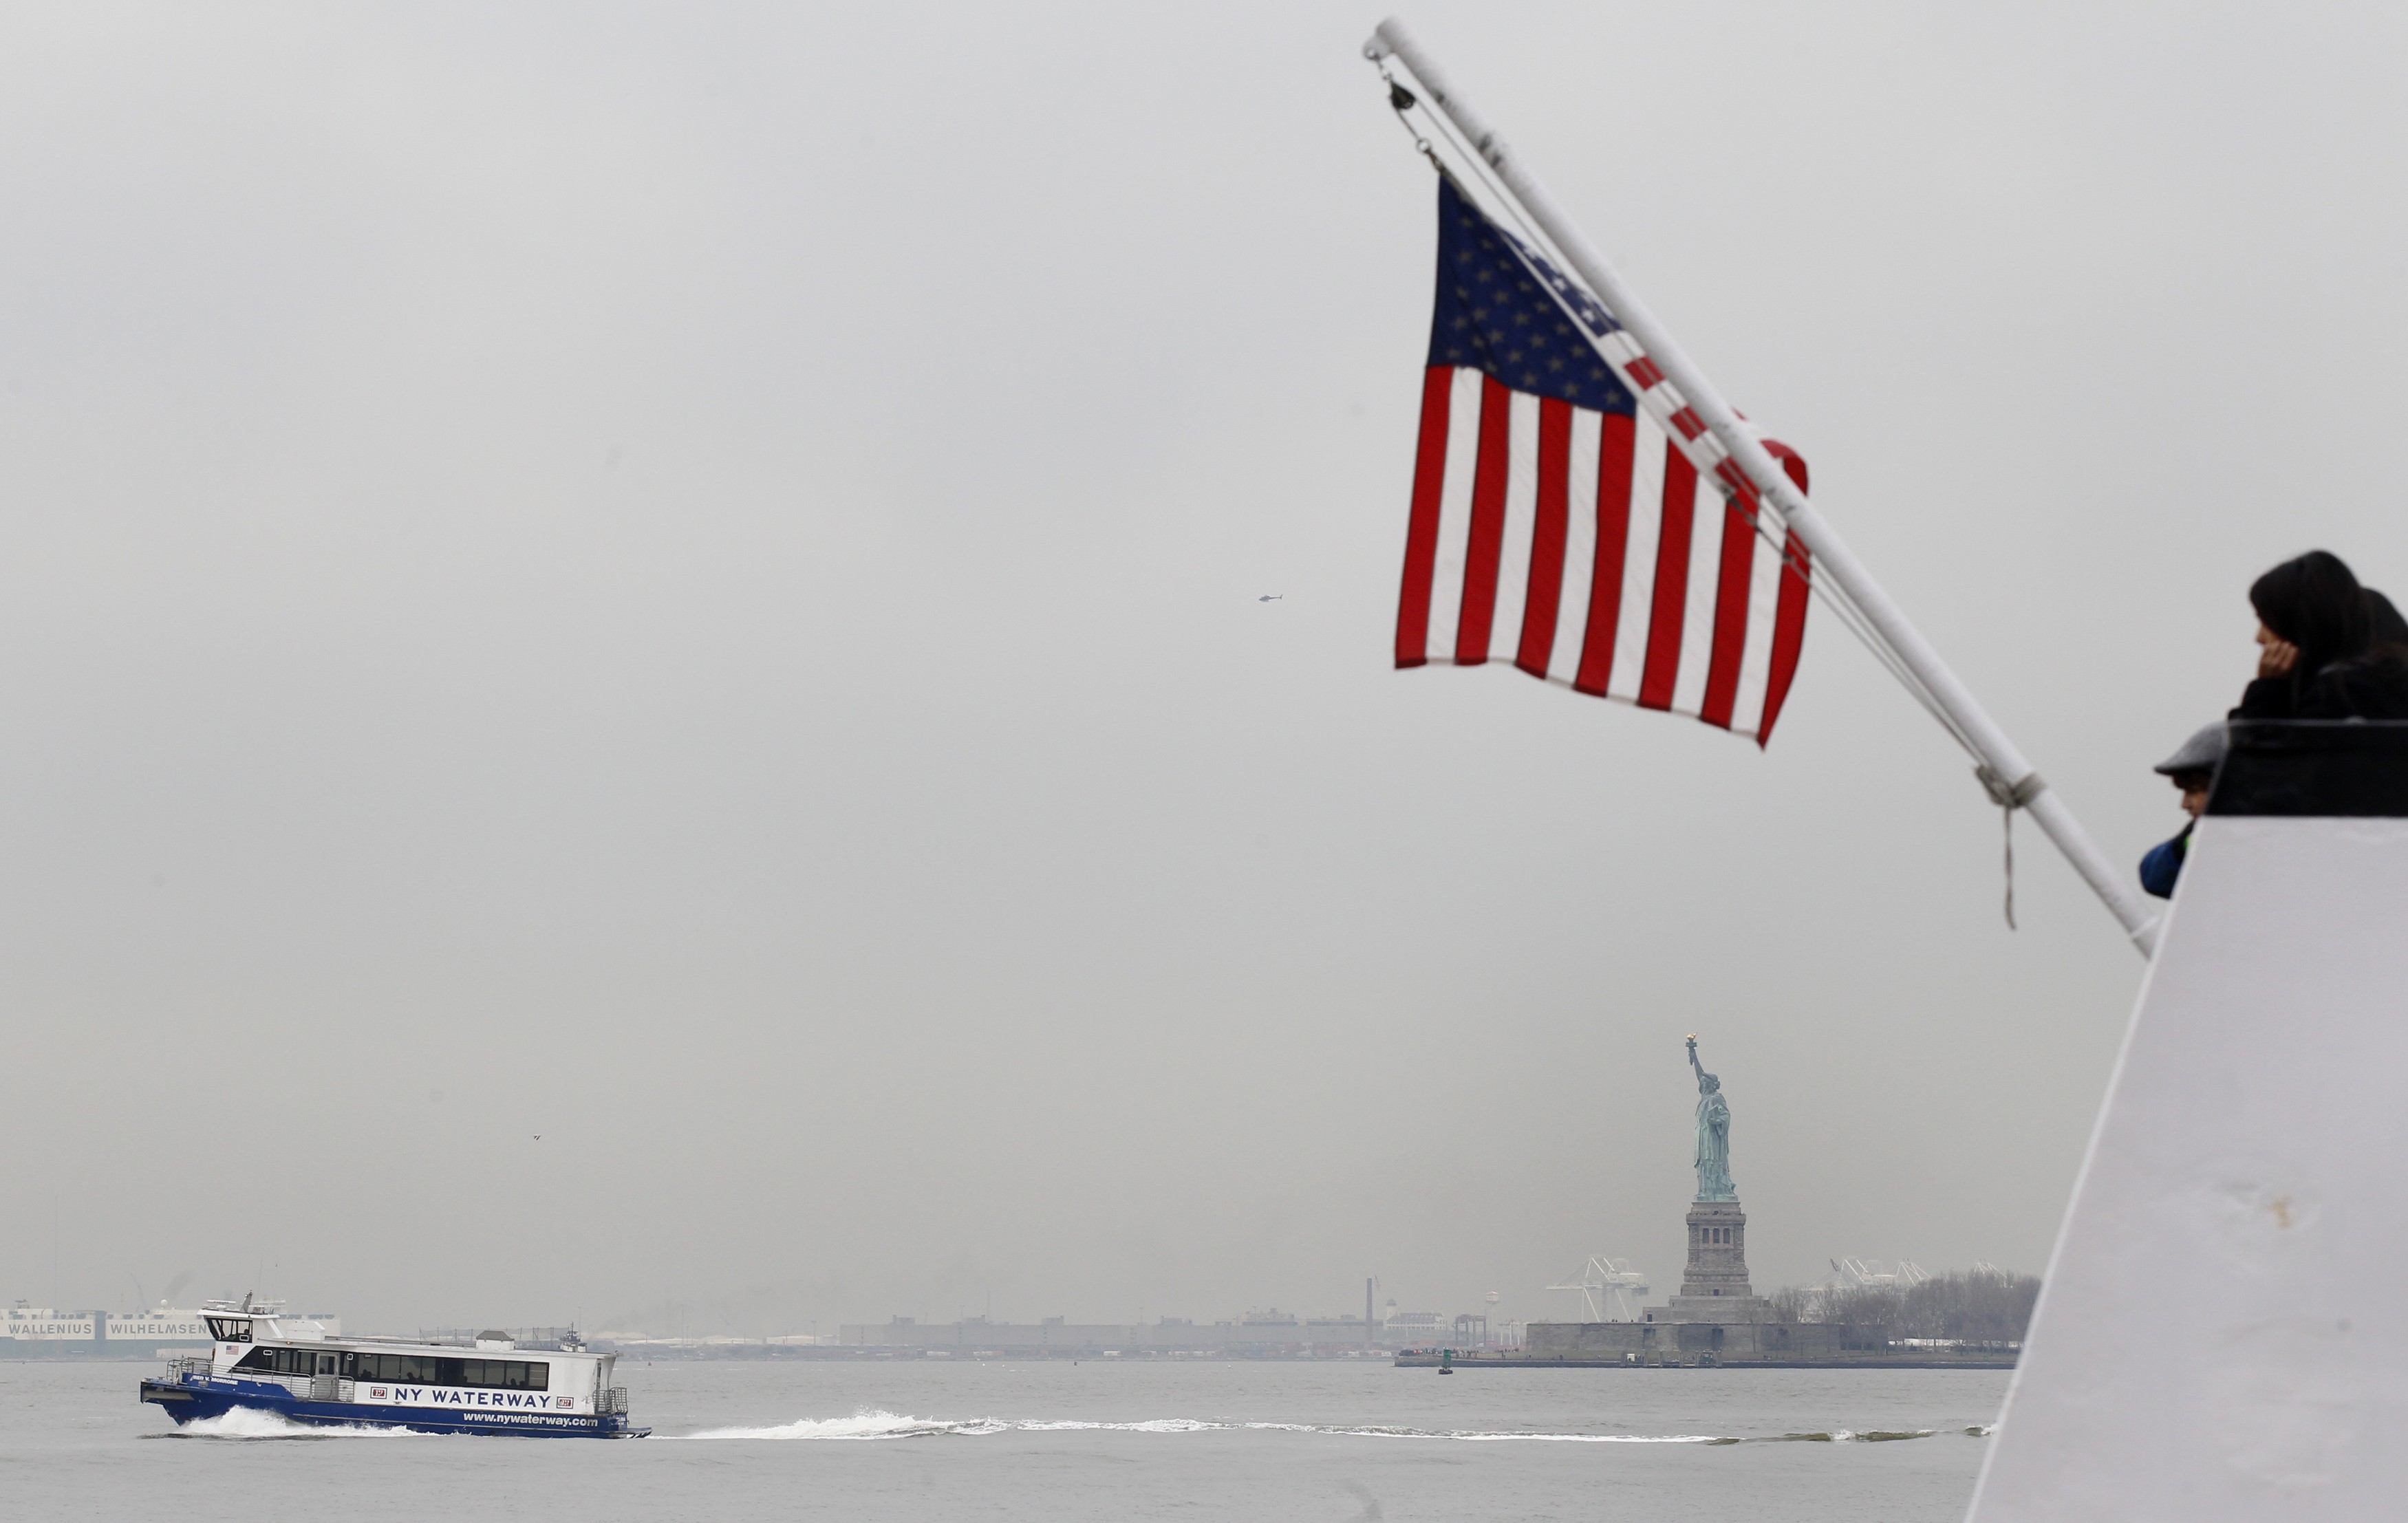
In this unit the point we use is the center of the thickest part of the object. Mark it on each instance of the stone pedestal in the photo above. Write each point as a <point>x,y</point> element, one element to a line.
<point>1715,1287</point>
<point>1663,1341</point>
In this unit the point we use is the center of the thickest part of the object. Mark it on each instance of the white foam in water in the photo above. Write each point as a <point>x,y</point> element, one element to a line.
<point>871,1424</point>
<point>880,1424</point>
<point>251,1423</point>
<point>1474,1436</point>
<point>1158,1425</point>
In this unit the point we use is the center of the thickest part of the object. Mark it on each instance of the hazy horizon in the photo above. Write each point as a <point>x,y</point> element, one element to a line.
<point>685,581</point>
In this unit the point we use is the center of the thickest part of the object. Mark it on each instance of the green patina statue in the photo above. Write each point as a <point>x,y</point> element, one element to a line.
<point>1713,1135</point>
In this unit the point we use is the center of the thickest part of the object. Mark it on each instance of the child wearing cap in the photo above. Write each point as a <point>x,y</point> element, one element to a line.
<point>2192,769</point>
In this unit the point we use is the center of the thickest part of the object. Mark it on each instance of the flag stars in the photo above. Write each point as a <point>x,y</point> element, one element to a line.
<point>1504,310</point>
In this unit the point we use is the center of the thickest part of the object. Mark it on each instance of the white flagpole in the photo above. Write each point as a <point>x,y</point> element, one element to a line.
<point>1989,743</point>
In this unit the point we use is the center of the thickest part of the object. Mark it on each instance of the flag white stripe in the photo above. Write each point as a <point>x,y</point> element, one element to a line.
<point>1580,546</point>
<point>1698,625</point>
<point>1455,512</point>
<point>1513,551</point>
<point>1639,558</point>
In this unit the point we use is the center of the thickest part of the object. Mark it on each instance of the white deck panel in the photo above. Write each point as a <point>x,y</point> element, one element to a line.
<point>2224,1333</point>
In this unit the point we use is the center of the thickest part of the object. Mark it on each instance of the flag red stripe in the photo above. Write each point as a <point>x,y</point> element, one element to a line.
<point>1788,634</point>
<point>1421,533</point>
<point>1789,612</point>
<point>1548,526</point>
<point>1615,435</point>
<point>1480,555</point>
<point>1730,614</point>
<point>1670,607</point>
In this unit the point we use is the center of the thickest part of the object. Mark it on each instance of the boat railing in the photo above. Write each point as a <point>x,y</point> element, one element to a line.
<point>188,1369</point>
<point>614,1402</point>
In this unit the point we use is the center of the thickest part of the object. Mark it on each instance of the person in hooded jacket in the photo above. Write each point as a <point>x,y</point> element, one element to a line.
<point>2318,657</point>
<point>2389,628</point>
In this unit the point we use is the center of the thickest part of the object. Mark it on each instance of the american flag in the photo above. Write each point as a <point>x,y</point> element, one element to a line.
<point>1569,513</point>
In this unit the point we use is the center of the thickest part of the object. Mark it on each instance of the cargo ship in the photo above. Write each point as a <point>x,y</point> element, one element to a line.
<point>30,1331</point>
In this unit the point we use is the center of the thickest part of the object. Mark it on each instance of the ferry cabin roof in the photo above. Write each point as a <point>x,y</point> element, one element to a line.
<point>232,1329</point>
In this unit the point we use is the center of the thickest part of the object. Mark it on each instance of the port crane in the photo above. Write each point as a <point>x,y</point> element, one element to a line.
<point>1608,1288</point>
<point>1868,1274</point>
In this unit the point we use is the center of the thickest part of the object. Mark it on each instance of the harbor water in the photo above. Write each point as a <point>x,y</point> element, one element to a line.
<point>1332,1442</point>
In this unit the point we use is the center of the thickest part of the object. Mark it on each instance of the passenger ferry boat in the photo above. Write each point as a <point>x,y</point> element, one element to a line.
<point>262,1361</point>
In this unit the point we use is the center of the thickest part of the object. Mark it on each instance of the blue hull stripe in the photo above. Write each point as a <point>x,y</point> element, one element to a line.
<point>190,1401</point>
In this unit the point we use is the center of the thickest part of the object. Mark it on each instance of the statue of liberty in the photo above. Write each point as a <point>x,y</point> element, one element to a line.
<point>1713,1135</point>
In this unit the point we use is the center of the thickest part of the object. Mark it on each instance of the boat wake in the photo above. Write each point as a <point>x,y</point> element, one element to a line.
<point>249,1423</point>
<point>1475,1435</point>
<point>870,1423</point>
<point>879,1424</point>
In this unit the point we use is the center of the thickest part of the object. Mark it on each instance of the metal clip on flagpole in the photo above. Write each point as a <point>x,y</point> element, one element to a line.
<point>2016,780</point>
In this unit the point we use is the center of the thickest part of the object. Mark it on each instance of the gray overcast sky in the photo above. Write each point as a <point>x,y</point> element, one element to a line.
<point>683,578</point>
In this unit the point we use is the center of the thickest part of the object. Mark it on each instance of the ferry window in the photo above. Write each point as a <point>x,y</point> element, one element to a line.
<point>258,1359</point>
<point>431,1370</point>
<point>504,1375</point>
<point>230,1330</point>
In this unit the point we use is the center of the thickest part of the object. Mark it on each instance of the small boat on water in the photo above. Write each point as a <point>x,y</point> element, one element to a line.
<point>262,1361</point>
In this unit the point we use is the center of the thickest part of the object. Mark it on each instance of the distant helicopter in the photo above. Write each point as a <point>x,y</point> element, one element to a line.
<point>1272,597</point>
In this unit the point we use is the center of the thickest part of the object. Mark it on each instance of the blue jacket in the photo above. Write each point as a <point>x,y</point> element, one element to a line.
<point>2163,865</point>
